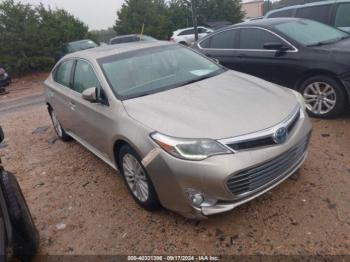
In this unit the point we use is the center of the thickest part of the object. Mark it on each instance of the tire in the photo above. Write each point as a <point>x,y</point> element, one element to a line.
<point>324,96</point>
<point>143,190</point>
<point>25,241</point>
<point>62,135</point>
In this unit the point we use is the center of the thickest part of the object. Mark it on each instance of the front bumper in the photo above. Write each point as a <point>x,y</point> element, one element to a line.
<point>172,177</point>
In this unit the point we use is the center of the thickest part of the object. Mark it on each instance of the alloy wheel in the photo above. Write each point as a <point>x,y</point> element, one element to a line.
<point>135,177</point>
<point>320,98</point>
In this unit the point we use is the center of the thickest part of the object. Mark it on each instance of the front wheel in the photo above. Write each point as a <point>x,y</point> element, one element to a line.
<point>324,96</point>
<point>137,180</point>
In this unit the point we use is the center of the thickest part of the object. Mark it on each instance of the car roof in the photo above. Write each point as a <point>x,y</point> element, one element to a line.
<point>79,41</point>
<point>188,28</point>
<point>123,36</point>
<point>265,22</point>
<point>307,5</point>
<point>108,50</point>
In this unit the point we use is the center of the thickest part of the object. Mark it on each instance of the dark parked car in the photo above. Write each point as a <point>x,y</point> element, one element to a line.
<point>17,230</point>
<point>130,38</point>
<point>335,13</point>
<point>301,54</point>
<point>75,46</point>
<point>5,79</point>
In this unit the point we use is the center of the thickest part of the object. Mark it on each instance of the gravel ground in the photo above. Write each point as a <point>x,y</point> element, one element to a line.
<point>81,206</point>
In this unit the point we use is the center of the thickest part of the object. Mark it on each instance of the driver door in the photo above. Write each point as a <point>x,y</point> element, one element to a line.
<point>91,121</point>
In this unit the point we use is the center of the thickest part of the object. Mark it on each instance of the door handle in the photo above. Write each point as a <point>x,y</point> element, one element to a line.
<point>72,105</point>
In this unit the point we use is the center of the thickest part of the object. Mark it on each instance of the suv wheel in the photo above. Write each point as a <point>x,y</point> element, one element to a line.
<point>25,235</point>
<point>324,96</point>
<point>137,180</point>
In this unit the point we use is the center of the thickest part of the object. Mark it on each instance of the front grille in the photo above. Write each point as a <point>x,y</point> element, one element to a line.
<point>264,141</point>
<point>262,175</point>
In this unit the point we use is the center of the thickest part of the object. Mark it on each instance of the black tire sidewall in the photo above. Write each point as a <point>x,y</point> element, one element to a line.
<point>25,235</point>
<point>339,90</point>
<point>152,202</point>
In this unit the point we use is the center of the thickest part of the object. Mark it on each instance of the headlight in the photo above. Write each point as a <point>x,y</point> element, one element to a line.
<point>190,149</point>
<point>300,99</point>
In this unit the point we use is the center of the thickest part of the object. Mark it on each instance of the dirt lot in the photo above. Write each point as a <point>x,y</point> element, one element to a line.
<point>64,183</point>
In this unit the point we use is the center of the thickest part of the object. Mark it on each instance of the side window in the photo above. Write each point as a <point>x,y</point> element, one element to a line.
<point>318,13</point>
<point>282,13</point>
<point>84,77</point>
<point>254,38</point>
<point>342,18</point>
<point>187,32</point>
<point>224,40</point>
<point>202,30</point>
<point>63,72</point>
<point>205,43</point>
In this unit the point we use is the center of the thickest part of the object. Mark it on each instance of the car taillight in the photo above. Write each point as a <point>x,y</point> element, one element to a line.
<point>172,39</point>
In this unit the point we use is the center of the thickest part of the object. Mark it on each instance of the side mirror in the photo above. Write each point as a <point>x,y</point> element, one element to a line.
<point>90,94</point>
<point>276,46</point>
<point>2,136</point>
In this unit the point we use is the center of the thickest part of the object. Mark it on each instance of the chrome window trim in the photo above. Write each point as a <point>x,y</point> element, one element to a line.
<point>263,133</point>
<point>295,50</point>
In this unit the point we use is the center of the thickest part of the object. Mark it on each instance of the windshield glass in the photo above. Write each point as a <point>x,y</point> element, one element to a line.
<point>307,32</point>
<point>152,70</point>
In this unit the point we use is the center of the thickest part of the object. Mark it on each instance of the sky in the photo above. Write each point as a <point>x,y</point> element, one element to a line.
<point>97,14</point>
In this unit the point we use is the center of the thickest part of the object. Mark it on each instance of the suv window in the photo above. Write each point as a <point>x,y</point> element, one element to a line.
<point>318,13</point>
<point>63,73</point>
<point>282,13</point>
<point>187,32</point>
<point>342,18</point>
<point>254,38</point>
<point>84,77</point>
<point>223,40</point>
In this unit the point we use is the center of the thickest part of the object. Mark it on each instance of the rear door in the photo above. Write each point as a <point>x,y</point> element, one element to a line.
<point>271,65</point>
<point>222,46</point>
<point>59,92</point>
<point>92,121</point>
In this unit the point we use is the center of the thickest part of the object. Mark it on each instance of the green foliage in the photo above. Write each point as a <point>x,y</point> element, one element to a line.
<point>162,17</point>
<point>30,36</point>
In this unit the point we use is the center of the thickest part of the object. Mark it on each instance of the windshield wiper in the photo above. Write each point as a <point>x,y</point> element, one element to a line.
<point>200,78</point>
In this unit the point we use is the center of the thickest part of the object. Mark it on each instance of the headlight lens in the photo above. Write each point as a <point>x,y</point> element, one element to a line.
<point>300,99</point>
<point>190,149</point>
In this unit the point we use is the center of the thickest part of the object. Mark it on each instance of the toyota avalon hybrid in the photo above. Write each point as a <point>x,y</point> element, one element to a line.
<point>185,133</point>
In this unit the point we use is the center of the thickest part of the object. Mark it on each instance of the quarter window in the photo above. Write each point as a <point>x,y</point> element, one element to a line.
<point>317,13</point>
<point>223,40</point>
<point>84,77</point>
<point>342,18</point>
<point>253,38</point>
<point>63,73</point>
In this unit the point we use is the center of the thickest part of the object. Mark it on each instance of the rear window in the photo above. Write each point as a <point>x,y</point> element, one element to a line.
<point>223,40</point>
<point>187,32</point>
<point>318,13</point>
<point>282,13</point>
<point>342,18</point>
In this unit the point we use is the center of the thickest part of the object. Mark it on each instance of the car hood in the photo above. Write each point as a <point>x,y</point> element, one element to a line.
<point>227,105</point>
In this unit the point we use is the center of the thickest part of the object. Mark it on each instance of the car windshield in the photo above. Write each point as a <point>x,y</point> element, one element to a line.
<point>309,33</point>
<point>151,70</point>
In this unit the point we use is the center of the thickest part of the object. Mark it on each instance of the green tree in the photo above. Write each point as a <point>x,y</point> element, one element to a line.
<point>30,36</point>
<point>134,13</point>
<point>219,10</point>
